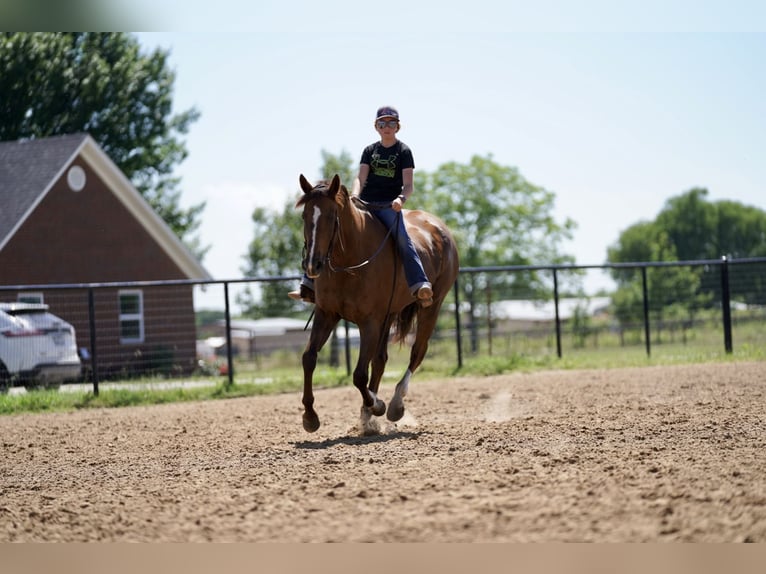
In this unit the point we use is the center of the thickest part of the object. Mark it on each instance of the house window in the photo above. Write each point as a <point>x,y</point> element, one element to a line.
<point>131,316</point>
<point>29,297</point>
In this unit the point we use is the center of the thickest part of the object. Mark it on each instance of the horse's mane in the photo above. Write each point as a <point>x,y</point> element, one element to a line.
<point>321,189</point>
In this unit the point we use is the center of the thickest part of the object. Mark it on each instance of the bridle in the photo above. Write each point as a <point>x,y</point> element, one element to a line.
<point>336,234</point>
<point>349,268</point>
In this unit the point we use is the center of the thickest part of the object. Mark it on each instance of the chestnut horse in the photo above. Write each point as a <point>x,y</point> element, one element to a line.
<point>358,276</point>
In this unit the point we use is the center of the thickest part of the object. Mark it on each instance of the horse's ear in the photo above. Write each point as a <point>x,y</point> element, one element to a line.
<point>305,185</point>
<point>334,184</point>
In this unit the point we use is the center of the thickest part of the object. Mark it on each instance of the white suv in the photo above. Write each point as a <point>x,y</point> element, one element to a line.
<point>37,348</point>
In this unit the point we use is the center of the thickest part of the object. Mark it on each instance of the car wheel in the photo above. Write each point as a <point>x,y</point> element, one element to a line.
<point>37,385</point>
<point>5,379</point>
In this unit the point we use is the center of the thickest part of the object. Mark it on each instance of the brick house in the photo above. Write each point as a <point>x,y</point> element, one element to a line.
<point>68,215</point>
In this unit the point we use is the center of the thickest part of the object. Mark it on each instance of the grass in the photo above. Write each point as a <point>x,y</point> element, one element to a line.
<point>252,379</point>
<point>41,400</point>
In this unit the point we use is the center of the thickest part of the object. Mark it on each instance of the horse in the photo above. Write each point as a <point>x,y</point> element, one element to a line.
<point>358,276</point>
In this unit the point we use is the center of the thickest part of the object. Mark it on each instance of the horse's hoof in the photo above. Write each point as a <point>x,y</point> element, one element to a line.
<point>379,408</point>
<point>310,422</point>
<point>395,411</point>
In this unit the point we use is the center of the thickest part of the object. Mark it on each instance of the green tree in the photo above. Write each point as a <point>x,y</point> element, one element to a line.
<point>741,230</point>
<point>669,289</point>
<point>275,251</point>
<point>280,254</point>
<point>341,164</point>
<point>700,229</point>
<point>65,82</point>
<point>690,222</point>
<point>689,228</point>
<point>498,218</point>
<point>633,245</point>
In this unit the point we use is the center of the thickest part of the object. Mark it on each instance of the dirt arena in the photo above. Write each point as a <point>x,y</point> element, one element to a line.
<point>657,454</point>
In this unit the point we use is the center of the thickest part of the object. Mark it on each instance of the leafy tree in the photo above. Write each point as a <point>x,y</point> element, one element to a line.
<point>633,245</point>
<point>742,234</point>
<point>279,254</point>
<point>700,229</point>
<point>691,228</point>
<point>740,230</point>
<point>342,165</point>
<point>690,221</point>
<point>275,251</point>
<point>100,83</point>
<point>498,218</point>
<point>667,287</point>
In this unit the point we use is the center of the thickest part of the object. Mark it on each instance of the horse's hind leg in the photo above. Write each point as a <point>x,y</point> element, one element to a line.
<point>426,323</point>
<point>379,360</point>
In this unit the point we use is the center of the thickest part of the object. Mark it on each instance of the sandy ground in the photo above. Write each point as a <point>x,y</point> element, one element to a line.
<point>628,455</point>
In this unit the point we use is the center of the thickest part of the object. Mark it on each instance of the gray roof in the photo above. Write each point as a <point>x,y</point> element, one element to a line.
<point>528,310</point>
<point>267,326</point>
<point>30,168</point>
<point>27,169</point>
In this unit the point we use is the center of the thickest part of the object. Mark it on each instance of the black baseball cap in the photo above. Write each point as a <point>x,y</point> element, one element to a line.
<point>387,112</point>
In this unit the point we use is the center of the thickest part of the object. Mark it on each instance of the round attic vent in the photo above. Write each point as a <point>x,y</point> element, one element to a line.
<point>75,177</point>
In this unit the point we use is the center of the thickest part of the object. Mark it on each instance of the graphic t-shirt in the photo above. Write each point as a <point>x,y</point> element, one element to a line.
<point>384,181</point>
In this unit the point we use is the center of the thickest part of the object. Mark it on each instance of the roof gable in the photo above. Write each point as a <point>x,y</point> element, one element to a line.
<point>29,169</point>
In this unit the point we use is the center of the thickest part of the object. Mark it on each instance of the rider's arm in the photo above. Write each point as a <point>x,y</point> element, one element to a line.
<point>407,179</point>
<point>361,178</point>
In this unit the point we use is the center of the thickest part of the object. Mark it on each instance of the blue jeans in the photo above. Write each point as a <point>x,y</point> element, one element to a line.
<point>413,267</point>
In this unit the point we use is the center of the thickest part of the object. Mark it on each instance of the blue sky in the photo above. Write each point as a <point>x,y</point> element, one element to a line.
<point>614,114</point>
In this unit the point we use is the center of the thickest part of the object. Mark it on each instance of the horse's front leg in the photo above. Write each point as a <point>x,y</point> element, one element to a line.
<point>371,404</point>
<point>380,358</point>
<point>320,332</point>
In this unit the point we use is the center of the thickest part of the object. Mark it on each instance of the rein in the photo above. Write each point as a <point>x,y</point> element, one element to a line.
<point>335,234</point>
<point>335,269</point>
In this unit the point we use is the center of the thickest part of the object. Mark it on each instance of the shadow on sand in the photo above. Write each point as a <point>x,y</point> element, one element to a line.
<point>355,440</point>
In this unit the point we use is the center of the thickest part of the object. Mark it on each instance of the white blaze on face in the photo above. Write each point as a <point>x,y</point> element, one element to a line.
<point>317,215</point>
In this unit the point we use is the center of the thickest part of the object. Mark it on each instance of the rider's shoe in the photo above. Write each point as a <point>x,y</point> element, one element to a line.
<point>425,296</point>
<point>303,294</point>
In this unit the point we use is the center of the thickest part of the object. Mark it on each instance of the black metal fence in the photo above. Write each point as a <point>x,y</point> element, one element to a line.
<point>710,305</point>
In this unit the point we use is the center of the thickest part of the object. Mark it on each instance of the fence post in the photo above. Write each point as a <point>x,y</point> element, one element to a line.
<point>556,306</point>
<point>489,317</point>
<point>726,305</point>
<point>647,329</point>
<point>92,328</point>
<point>229,360</point>
<point>458,334</point>
<point>348,349</point>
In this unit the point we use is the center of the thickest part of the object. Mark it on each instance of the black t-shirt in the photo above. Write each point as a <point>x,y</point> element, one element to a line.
<point>384,182</point>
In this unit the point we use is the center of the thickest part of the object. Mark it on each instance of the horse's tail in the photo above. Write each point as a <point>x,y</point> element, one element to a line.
<point>404,322</point>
